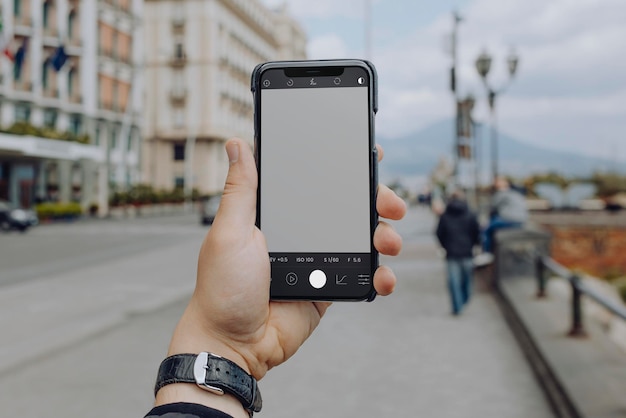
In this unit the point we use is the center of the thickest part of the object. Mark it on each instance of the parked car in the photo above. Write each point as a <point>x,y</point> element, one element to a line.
<point>208,209</point>
<point>12,217</point>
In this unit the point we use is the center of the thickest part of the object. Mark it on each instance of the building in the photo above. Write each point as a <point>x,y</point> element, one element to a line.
<point>70,104</point>
<point>199,58</point>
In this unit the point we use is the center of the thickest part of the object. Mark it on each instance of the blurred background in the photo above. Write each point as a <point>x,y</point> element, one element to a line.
<point>114,115</point>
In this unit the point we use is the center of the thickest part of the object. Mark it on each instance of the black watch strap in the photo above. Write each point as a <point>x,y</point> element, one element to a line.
<point>213,373</point>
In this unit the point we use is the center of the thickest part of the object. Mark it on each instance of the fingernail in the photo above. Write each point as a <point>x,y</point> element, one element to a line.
<point>232,149</point>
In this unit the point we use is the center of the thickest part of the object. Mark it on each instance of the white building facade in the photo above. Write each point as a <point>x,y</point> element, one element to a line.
<point>199,58</point>
<point>70,99</point>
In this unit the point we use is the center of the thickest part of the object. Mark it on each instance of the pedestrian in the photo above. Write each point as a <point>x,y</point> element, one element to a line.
<point>508,210</point>
<point>231,334</point>
<point>458,232</point>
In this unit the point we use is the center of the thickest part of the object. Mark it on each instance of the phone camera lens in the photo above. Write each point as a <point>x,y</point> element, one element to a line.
<point>360,80</point>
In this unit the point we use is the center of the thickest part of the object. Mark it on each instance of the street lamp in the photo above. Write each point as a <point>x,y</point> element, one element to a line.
<point>483,65</point>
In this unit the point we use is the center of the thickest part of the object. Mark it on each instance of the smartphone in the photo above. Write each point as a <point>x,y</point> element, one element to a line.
<point>317,168</point>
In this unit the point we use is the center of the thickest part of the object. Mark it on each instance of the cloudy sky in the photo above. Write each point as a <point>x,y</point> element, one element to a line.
<point>570,89</point>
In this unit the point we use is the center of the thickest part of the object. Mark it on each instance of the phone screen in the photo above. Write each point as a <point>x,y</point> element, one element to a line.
<point>316,182</point>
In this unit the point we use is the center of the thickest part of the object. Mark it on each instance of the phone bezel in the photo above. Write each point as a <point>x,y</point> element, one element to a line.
<point>324,66</point>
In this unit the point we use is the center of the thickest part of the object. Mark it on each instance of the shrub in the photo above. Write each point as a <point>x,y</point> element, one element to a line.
<point>54,210</point>
<point>142,194</point>
<point>118,199</point>
<point>23,128</point>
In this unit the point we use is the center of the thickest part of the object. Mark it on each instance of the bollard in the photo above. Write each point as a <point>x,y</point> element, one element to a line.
<point>577,330</point>
<point>541,277</point>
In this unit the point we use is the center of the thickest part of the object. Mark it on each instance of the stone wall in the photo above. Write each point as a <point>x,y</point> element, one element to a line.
<point>594,242</point>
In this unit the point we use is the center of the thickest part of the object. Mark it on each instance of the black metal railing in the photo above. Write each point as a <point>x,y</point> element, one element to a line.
<point>579,289</point>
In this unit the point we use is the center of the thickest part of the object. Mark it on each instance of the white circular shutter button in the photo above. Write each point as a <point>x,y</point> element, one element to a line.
<point>317,278</point>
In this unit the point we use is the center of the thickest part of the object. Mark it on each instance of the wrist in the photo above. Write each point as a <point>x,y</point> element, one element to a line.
<point>181,375</point>
<point>182,392</point>
<point>190,337</point>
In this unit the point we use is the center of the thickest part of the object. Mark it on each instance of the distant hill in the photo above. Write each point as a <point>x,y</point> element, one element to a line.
<point>416,154</point>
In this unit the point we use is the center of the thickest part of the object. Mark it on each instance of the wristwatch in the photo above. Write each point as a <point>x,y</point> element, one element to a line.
<point>212,373</point>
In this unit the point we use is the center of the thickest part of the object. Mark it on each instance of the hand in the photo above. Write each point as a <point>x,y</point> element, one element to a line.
<point>230,313</point>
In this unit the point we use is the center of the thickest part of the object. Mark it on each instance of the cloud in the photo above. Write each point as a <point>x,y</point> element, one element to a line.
<point>322,9</point>
<point>327,47</point>
<point>569,91</point>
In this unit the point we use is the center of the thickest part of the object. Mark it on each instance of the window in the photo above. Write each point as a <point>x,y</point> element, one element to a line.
<point>97,135</point>
<point>76,124</point>
<point>50,118</point>
<point>179,182</point>
<point>22,112</point>
<point>179,152</point>
<point>19,60</point>
<point>71,77</point>
<point>132,137</point>
<point>113,140</point>
<point>115,95</point>
<point>179,118</point>
<point>71,20</point>
<point>17,7</point>
<point>44,74</point>
<point>46,14</point>
<point>179,51</point>
<point>114,44</point>
<point>178,83</point>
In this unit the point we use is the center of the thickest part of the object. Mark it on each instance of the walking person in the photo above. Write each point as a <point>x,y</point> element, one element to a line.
<point>458,232</point>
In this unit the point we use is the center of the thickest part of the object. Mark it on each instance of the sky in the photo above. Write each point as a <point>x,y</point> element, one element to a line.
<point>569,92</point>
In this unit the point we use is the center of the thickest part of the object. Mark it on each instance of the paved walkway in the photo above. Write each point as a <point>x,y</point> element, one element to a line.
<point>400,356</point>
<point>406,355</point>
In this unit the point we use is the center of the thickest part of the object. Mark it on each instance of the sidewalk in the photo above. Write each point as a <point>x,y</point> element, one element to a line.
<point>400,356</point>
<point>406,355</point>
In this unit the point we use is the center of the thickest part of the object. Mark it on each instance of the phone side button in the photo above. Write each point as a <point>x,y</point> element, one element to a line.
<point>317,278</point>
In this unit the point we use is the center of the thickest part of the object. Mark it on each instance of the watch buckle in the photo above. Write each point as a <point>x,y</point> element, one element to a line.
<point>200,367</point>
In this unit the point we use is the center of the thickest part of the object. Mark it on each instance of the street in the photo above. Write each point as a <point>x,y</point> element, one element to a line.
<point>87,309</point>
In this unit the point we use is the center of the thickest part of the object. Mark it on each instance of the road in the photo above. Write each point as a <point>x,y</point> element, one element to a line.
<point>86,311</point>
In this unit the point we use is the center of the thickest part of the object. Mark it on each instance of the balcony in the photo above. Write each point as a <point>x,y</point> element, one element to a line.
<point>178,61</point>
<point>23,85</point>
<point>178,24</point>
<point>178,96</point>
<point>76,98</point>
<point>51,32</point>
<point>51,92</point>
<point>23,20</point>
<point>75,42</point>
<point>23,25</point>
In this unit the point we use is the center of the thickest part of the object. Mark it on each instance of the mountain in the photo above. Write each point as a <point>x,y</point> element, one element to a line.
<point>416,154</point>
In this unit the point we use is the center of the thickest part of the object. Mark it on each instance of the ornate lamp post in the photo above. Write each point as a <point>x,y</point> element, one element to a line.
<point>483,65</point>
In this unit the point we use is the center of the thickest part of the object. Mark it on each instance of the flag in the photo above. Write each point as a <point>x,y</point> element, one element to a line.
<point>59,58</point>
<point>20,56</point>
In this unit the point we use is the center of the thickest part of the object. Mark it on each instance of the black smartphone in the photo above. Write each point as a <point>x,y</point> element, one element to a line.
<point>317,167</point>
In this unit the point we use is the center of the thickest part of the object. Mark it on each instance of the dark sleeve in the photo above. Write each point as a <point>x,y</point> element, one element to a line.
<point>441,232</point>
<point>475,231</point>
<point>185,410</point>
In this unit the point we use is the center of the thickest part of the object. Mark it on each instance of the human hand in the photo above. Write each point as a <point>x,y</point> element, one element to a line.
<point>230,313</point>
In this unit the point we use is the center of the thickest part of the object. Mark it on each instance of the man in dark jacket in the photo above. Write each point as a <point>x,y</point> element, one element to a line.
<point>458,231</point>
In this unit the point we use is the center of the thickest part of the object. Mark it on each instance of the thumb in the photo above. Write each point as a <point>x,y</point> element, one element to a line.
<point>237,211</point>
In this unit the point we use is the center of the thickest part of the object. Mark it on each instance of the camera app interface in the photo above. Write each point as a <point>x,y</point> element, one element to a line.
<point>316,197</point>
